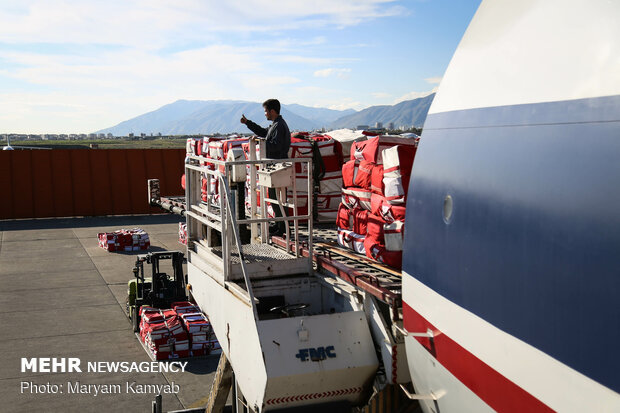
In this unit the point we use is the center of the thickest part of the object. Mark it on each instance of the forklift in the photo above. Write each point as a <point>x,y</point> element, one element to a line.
<point>159,290</point>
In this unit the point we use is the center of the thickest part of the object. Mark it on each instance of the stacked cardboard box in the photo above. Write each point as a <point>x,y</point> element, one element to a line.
<point>134,239</point>
<point>163,334</point>
<point>372,210</point>
<point>218,148</point>
<point>246,153</point>
<point>182,331</point>
<point>208,147</point>
<point>201,336</point>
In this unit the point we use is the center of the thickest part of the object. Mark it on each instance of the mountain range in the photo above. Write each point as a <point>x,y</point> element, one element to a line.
<point>195,117</point>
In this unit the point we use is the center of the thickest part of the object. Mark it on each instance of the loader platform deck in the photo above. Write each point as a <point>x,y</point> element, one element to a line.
<point>381,281</point>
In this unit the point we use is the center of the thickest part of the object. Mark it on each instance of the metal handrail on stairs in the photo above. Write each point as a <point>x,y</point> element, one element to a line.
<point>235,228</point>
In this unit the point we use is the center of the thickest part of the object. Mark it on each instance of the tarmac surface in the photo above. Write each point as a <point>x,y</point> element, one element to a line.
<point>61,295</point>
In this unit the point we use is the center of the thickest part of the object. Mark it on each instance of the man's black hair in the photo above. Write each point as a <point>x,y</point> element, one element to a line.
<point>272,104</point>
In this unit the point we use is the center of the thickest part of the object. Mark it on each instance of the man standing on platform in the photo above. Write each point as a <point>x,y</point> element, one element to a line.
<point>278,142</point>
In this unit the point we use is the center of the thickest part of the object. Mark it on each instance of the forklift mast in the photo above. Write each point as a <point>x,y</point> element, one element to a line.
<point>162,289</point>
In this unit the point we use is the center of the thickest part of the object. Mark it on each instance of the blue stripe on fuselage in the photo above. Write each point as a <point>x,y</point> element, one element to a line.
<point>533,246</point>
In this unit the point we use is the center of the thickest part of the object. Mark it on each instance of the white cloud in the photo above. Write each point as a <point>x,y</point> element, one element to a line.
<point>304,59</point>
<point>433,80</point>
<point>347,103</point>
<point>414,95</point>
<point>314,41</point>
<point>89,64</point>
<point>381,95</point>
<point>94,92</point>
<point>341,73</point>
<point>58,112</point>
<point>157,23</point>
<point>131,68</point>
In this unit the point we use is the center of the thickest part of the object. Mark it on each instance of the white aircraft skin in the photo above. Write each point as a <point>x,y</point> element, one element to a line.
<point>522,135</point>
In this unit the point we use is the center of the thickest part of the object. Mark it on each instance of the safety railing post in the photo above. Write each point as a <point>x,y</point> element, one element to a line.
<point>253,168</point>
<point>311,214</point>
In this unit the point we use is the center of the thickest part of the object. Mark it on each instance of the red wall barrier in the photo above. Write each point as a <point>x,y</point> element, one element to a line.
<point>85,182</point>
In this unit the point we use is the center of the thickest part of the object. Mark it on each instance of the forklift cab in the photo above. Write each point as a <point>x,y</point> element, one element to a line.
<point>159,290</point>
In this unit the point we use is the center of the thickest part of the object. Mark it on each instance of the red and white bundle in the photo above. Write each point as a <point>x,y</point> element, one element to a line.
<point>373,203</point>
<point>330,184</point>
<point>193,146</point>
<point>182,307</point>
<point>393,235</point>
<point>356,198</point>
<point>195,322</point>
<point>134,239</point>
<point>302,147</point>
<point>351,240</point>
<point>163,334</point>
<point>371,150</point>
<point>183,233</point>
<point>380,206</point>
<point>397,163</point>
<point>328,202</point>
<point>344,218</point>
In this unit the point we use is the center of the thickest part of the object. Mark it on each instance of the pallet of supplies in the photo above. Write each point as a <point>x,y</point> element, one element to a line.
<point>162,333</point>
<point>183,233</point>
<point>134,239</point>
<point>371,215</point>
<point>179,332</point>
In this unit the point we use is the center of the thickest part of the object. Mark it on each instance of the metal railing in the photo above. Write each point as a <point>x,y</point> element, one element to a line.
<point>220,215</point>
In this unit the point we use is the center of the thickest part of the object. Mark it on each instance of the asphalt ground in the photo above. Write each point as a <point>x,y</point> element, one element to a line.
<point>63,296</point>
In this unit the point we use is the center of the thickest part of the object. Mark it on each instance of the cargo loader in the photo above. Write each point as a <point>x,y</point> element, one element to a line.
<point>302,323</point>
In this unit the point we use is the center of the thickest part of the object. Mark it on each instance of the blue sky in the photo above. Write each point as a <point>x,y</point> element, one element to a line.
<point>75,66</point>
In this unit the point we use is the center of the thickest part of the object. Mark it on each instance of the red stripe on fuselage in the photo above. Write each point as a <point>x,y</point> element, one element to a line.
<point>494,389</point>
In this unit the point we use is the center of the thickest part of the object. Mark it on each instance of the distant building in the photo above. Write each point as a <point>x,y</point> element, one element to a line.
<point>362,127</point>
<point>379,125</point>
<point>92,136</point>
<point>101,135</point>
<point>390,126</point>
<point>131,135</point>
<point>110,136</point>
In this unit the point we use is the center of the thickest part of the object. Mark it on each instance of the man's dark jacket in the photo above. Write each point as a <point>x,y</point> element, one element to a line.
<point>278,137</point>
